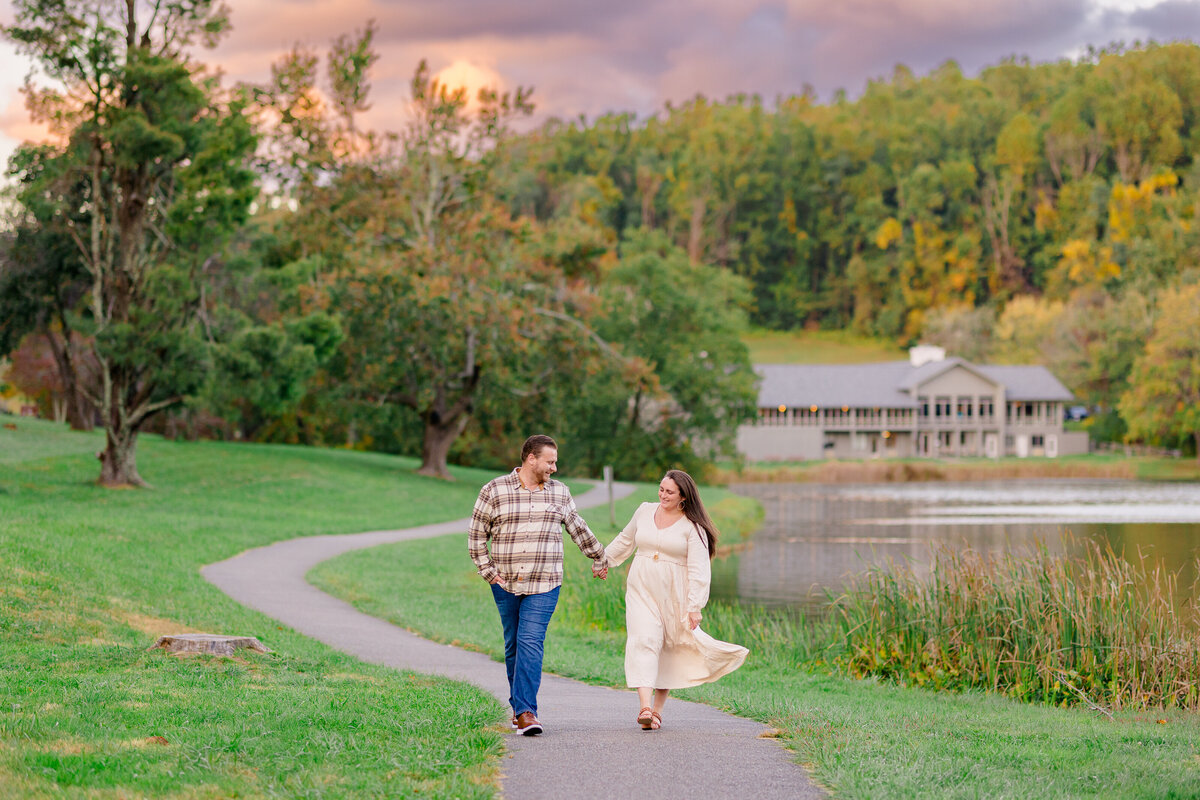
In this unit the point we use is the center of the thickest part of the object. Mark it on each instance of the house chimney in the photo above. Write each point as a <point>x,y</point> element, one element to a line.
<point>924,353</point>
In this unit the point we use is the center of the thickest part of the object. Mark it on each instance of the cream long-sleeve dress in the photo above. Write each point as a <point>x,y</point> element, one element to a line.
<point>669,577</point>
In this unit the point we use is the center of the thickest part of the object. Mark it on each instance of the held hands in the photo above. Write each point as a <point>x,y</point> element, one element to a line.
<point>599,570</point>
<point>693,619</point>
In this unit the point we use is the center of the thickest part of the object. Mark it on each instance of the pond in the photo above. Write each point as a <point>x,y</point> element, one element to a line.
<point>816,536</point>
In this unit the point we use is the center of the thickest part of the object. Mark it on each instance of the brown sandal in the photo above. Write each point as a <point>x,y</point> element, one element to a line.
<point>655,720</point>
<point>646,718</point>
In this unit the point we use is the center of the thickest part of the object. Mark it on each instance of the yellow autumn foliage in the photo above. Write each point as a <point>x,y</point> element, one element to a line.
<point>1024,327</point>
<point>1045,215</point>
<point>890,232</point>
<point>1083,262</point>
<point>1128,204</point>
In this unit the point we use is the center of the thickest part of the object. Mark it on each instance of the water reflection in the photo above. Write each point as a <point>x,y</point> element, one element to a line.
<point>816,536</point>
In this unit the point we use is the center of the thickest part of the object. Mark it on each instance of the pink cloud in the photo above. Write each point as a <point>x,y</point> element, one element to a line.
<point>584,57</point>
<point>15,124</point>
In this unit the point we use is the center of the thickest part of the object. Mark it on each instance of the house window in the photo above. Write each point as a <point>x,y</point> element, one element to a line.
<point>965,408</point>
<point>1037,440</point>
<point>942,407</point>
<point>923,403</point>
<point>987,407</point>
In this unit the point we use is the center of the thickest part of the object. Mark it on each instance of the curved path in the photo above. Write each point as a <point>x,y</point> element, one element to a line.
<point>591,748</point>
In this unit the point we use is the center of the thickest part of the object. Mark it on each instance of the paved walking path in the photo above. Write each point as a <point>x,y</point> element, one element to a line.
<point>591,748</point>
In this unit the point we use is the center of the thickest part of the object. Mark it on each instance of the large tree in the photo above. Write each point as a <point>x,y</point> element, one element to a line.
<point>445,295</point>
<point>1163,400</point>
<point>682,320</point>
<point>158,155</point>
<point>1097,341</point>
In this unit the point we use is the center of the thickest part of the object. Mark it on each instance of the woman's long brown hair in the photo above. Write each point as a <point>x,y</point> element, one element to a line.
<point>693,509</point>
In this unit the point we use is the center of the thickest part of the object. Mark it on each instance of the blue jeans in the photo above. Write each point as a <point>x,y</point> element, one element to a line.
<point>524,617</point>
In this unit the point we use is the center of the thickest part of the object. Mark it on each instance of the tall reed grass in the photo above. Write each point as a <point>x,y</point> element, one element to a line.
<point>1094,629</point>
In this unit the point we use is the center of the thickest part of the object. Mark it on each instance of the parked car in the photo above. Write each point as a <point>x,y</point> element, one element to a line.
<point>1076,413</point>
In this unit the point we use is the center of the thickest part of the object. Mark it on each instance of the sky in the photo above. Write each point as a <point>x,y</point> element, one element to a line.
<point>588,57</point>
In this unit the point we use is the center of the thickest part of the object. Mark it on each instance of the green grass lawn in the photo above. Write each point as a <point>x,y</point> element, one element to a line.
<point>818,347</point>
<point>861,738</point>
<point>90,577</point>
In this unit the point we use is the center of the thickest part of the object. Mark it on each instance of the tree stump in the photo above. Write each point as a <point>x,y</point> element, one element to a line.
<point>210,643</point>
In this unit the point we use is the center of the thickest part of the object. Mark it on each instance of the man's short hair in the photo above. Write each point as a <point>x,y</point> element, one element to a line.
<point>535,444</point>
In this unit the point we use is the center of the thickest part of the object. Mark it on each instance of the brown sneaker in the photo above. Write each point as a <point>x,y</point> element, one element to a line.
<point>527,724</point>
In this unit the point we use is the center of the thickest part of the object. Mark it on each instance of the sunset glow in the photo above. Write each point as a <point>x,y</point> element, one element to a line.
<point>582,58</point>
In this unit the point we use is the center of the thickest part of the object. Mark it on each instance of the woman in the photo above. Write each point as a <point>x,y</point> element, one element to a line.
<point>667,587</point>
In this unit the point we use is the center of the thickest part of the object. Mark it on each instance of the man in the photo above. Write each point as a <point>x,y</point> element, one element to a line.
<point>516,542</point>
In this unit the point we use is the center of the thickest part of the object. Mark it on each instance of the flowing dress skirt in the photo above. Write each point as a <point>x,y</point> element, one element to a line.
<point>661,651</point>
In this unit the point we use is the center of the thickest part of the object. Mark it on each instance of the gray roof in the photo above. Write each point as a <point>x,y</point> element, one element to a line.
<point>1027,382</point>
<point>829,385</point>
<point>889,384</point>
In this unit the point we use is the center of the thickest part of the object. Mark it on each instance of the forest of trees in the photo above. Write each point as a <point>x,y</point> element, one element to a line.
<point>1039,213</point>
<point>252,262</point>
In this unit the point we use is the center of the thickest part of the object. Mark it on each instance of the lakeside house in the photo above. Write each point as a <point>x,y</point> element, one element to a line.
<point>929,406</point>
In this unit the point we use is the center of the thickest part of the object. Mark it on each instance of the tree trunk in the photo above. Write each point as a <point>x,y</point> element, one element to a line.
<point>648,183</point>
<point>79,412</point>
<point>81,416</point>
<point>1196,436</point>
<point>439,436</point>
<point>210,643</point>
<point>997,198</point>
<point>118,460</point>
<point>696,230</point>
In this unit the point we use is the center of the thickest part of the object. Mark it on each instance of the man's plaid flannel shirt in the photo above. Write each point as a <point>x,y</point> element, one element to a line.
<point>516,534</point>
